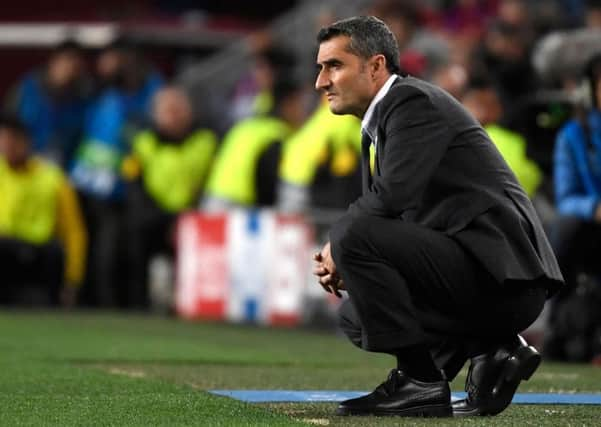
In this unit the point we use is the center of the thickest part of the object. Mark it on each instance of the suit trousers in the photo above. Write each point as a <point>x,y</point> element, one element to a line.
<point>409,285</point>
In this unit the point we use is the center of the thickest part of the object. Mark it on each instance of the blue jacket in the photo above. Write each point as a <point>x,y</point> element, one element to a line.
<point>55,127</point>
<point>97,164</point>
<point>577,167</point>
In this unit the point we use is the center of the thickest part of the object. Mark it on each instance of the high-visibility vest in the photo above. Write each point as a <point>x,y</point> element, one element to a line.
<point>233,176</point>
<point>173,174</point>
<point>512,147</point>
<point>28,200</point>
<point>307,149</point>
<point>37,205</point>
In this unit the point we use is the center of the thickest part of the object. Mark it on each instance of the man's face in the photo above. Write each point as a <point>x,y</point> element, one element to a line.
<point>64,69</point>
<point>484,104</point>
<point>13,147</point>
<point>172,112</point>
<point>344,77</point>
<point>110,64</point>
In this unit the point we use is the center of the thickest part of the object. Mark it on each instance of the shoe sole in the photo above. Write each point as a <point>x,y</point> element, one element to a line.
<point>519,367</point>
<point>428,411</point>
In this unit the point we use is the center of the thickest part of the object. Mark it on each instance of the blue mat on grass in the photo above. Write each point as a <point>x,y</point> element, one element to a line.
<point>258,396</point>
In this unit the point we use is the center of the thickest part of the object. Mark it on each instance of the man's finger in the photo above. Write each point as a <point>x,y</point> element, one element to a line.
<point>320,271</point>
<point>331,288</point>
<point>328,279</point>
<point>336,282</point>
<point>326,288</point>
<point>334,286</point>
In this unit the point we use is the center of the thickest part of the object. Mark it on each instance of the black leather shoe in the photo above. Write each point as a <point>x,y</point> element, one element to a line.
<point>402,396</point>
<point>493,378</point>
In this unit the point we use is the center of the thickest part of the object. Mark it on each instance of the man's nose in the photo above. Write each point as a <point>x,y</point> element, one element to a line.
<point>321,82</point>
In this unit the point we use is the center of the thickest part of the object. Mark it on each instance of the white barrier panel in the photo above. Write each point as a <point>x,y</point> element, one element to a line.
<point>287,276</point>
<point>243,266</point>
<point>248,247</point>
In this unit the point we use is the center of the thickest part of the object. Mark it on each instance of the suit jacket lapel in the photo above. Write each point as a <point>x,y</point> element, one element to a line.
<point>366,141</point>
<point>365,169</point>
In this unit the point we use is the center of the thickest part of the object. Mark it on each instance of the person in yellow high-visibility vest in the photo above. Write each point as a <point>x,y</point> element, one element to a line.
<point>482,100</point>
<point>166,171</point>
<point>245,170</point>
<point>320,164</point>
<point>43,241</point>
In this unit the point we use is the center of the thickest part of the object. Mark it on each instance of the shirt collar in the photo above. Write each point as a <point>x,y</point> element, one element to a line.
<point>366,126</point>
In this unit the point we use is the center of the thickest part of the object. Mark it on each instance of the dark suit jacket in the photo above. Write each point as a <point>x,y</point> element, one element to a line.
<point>436,166</point>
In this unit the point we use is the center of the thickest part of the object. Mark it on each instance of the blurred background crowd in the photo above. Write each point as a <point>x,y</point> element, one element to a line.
<point>117,117</point>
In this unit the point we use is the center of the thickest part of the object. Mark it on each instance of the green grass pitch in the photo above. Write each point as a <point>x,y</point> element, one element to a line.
<point>109,369</point>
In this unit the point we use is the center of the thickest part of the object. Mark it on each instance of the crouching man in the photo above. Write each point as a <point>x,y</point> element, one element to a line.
<point>443,257</point>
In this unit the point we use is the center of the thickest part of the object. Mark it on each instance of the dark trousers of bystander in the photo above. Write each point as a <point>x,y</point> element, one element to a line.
<point>31,274</point>
<point>577,246</point>
<point>573,331</point>
<point>149,232</point>
<point>104,273</point>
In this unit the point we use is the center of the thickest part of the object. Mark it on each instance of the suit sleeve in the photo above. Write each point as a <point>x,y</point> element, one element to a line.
<point>416,136</point>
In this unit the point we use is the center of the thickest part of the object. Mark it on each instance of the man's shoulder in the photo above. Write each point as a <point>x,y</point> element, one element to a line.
<point>419,100</point>
<point>406,88</point>
<point>410,93</point>
<point>408,84</point>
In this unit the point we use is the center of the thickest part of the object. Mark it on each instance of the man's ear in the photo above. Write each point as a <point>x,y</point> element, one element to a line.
<point>377,65</point>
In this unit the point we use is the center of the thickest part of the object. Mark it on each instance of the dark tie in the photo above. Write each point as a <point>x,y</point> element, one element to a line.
<point>365,166</point>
